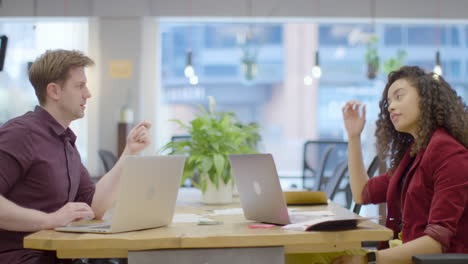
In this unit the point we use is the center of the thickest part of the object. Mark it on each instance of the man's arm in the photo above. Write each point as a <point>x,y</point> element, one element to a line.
<point>104,196</point>
<point>16,155</point>
<point>17,218</point>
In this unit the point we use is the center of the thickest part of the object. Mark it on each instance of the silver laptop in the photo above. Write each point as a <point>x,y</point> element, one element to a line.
<point>260,190</point>
<point>146,195</point>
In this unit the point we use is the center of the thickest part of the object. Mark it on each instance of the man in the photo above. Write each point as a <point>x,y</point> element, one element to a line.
<point>43,183</point>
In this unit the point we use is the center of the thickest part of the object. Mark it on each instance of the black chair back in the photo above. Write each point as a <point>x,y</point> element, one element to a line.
<point>319,156</point>
<point>108,159</point>
<point>334,182</point>
<point>323,164</point>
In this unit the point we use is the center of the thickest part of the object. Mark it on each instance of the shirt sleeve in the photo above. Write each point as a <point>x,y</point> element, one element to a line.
<point>449,200</point>
<point>16,154</point>
<point>86,189</point>
<point>375,190</point>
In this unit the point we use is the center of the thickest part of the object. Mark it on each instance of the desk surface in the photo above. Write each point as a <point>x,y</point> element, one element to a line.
<point>234,232</point>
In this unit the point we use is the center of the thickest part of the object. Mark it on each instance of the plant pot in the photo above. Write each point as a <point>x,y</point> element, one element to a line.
<point>222,195</point>
<point>371,71</point>
<point>235,192</point>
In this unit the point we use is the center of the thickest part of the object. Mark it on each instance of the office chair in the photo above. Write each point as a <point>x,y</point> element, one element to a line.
<point>318,155</point>
<point>108,159</point>
<point>339,173</point>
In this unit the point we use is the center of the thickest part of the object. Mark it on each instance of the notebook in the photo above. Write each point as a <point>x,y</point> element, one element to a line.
<point>262,198</point>
<point>146,195</point>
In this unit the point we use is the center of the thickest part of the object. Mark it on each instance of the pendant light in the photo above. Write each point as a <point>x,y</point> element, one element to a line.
<point>189,70</point>
<point>316,70</point>
<point>438,65</point>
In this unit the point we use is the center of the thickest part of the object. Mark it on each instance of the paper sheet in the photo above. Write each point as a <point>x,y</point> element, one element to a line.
<point>303,225</point>
<point>230,211</point>
<point>189,218</point>
<point>313,213</point>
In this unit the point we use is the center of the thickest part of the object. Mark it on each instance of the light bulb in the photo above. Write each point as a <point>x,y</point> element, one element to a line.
<point>189,71</point>
<point>438,70</point>
<point>308,80</point>
<point>316,72</point>
<point>193,80</point>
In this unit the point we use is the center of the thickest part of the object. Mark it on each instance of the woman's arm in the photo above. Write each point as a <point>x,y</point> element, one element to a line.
<point>357,172</point>
<point>402,254</point>
<point>354,124</point>
<point>405,252</point>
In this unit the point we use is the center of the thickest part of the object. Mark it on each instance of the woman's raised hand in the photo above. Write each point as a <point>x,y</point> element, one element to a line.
<point>354,120</point>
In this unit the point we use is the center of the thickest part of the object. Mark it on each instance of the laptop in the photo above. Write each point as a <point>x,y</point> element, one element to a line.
<point>262,198</point>
<point>146,196</point>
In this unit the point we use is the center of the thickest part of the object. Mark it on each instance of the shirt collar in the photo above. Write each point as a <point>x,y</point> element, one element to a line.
<point>54,124</point>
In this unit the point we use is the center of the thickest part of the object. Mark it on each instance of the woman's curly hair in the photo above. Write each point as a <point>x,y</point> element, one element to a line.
<point>440,107</point>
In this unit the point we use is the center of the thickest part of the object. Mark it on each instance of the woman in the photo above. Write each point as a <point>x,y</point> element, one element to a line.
<point>422,129</point>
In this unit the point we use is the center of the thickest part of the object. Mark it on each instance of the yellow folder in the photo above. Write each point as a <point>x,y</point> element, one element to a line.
<point>305,197</point>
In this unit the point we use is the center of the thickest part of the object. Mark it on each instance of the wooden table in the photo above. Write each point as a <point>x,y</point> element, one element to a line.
<point>192,243</point>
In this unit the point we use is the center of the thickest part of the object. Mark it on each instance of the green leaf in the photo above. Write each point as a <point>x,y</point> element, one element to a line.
<point>206,164</point>
<point>180,123</point>
<point>203,179</point>
<point>215,146</point>
<point>202,109</point>
<point>214,179</point>
<point>219,162</point>
<point>227,175</point>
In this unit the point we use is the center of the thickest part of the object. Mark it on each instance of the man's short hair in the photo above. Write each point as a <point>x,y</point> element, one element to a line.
<point>54,66</point>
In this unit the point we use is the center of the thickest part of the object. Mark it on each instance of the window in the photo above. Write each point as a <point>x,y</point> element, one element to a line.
<point>455,68</point>
<point>27,40</point>
<point>275,102</point>
<point>219,37</point>
<point>433,35</point>
<point>466,36</point>
<point>423,35</point>
<point>220,70</point>
<point>334,35</point>
<point>392,35</point>
<point>455,38</point>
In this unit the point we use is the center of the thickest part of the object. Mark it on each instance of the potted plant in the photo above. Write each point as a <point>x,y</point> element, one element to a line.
<point>213,136</point>
<point>393,64</point>
<point>372,57</point>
